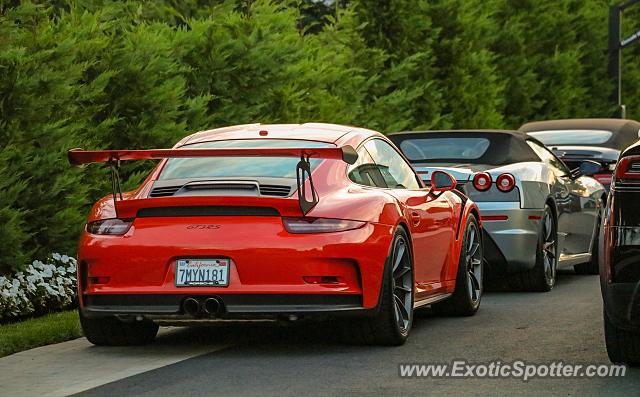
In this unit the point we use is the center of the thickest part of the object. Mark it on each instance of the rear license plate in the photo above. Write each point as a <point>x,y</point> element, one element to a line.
<point>202,273</point>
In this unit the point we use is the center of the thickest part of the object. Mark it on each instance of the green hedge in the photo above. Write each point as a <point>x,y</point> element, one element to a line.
<point>142,74</point>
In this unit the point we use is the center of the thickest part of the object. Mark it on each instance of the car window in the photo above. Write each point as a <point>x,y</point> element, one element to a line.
<point>453,148</point>
<point>572,137</point>
<point>274,167</point>
<point>365,171</point>
<point>464,147</point>
<point>556,165</point>
<point>395,171</point>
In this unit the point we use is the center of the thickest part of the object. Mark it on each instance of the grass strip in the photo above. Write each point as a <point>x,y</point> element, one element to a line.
<point>40,331</point>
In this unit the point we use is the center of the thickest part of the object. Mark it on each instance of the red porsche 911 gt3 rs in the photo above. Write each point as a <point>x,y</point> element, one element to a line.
<point>276,222</point>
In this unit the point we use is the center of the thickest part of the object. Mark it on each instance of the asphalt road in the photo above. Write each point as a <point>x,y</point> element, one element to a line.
<point>565,324</point>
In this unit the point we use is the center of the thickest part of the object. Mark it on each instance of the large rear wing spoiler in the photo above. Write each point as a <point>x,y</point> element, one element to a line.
<point>113,158</point>
<point>80,157</point>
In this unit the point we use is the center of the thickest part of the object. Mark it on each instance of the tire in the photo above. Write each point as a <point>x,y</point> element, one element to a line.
<point>466,298</point>
<point>109,331</point>
<point>591,267</point>
<point>623,346</point>
<point>542,277</point>
<point>391,324</point>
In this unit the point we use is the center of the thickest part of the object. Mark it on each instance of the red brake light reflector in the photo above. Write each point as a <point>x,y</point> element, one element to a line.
<point>99,280</point>
<point>320,279</point>
<point>506,182</point>
<point>605,179</point>
<point>494,218</point>
<point>482,181</point>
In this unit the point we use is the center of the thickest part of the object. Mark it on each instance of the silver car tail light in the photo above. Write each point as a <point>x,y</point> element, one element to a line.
<point>505,182</point>
<point>482,181</point>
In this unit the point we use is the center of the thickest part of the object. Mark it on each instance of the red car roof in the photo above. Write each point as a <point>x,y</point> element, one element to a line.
<point>321,132</point>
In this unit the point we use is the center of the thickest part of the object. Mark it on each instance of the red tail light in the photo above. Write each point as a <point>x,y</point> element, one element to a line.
<point>319,225</point>
<point>482,181</point>
<point>605,179</point>
<point>505,182</point>
<point>113,226</point>
<point>628,168</point>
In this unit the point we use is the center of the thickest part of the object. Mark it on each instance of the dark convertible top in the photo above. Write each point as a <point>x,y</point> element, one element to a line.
<point>625,131</point>
<point>506,147</point>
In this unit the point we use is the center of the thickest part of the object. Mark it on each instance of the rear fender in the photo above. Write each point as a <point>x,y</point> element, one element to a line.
<point>359,203</point>
<point>470,209</point>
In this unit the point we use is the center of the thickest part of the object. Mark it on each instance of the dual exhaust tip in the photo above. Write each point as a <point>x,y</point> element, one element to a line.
<point>207,307</point>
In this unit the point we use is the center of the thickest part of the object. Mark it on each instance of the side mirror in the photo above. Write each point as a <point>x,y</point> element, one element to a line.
<point>442,181</point>
<point>588,167</point>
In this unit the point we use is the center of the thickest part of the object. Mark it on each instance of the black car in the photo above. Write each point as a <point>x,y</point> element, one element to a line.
<point>620,261</point>
<point>599,140</point>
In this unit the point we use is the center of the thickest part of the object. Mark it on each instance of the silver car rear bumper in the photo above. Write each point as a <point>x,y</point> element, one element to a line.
<point>516,236</point>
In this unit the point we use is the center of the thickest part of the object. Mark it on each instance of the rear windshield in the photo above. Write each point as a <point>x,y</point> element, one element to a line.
<point>445,148</point>
<point>487,148</point>
<point>572,137</point>
<point>213,167</point>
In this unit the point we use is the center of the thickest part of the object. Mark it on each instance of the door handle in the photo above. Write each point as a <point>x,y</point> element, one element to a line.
<point>415,218</point>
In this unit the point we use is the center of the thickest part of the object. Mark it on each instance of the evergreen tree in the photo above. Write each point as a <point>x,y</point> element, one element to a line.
<point>144,73</point>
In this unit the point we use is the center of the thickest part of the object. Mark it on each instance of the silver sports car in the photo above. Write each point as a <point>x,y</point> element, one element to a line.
<point>575,140</point>
<point>537,213</point>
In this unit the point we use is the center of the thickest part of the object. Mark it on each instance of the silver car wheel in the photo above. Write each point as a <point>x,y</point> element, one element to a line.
<point>549,247</point>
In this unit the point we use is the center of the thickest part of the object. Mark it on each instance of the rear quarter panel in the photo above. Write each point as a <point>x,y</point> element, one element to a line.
<point>467,209</point>
<point>533,179</point>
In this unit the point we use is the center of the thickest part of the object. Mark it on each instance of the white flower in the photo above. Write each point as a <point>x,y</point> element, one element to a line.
<point>46,272</point>
<point>31,282</point>
<point>41,285</point>
<point>38,264</point>
<point>48,288</point>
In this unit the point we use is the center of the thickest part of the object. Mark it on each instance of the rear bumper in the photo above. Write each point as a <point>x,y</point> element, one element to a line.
<point>233,306</point>
<point>513,232</point>
<point>620,275</point>
<point>267,270</point>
